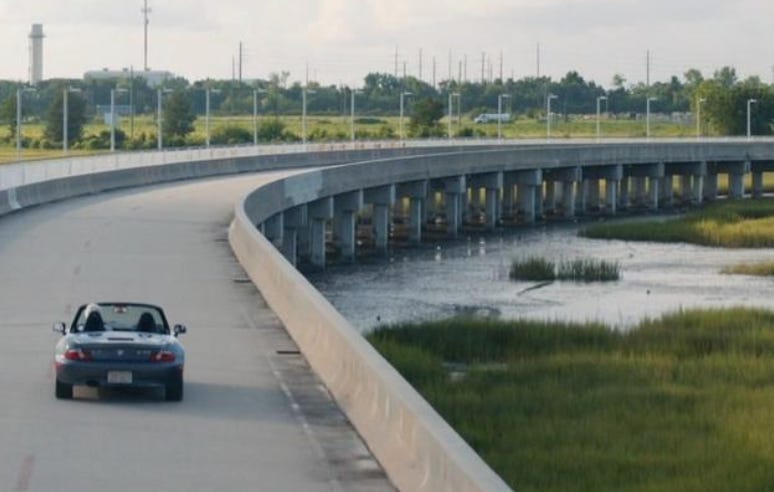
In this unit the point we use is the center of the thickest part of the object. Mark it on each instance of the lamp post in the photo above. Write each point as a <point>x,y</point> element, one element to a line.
<point>159,117</point>
<point>113,118</point>
<point>647,115</point>
<point>19,93</point>
<point>353,92</point>
<point>699,102</point>
<point>599,101</point>
<point>750,102</point>
<point>500,114</point>
<point>304,93</point>
<point>548,114</point>
<point>207,92</point>
<point>403,95</point>
<point>66,118</point>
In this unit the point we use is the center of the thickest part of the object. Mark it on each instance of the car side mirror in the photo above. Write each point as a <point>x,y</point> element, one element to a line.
<point>179,330</point>
<point>59,328</point>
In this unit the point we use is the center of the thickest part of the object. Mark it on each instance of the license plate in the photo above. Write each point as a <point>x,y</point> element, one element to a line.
<point>119,377</point>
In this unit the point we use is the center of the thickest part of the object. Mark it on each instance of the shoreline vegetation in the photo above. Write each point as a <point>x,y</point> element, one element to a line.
<point>682,402</point>
<point>727,224</point>
<point>536,269</point>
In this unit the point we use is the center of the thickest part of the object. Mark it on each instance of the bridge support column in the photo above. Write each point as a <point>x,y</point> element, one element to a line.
<point>382,198</point>
<point>274,228</point>
<point>697,193</point>
<point>568,198</point>
<point>757,184</point>
<point>592,194</point>
<point>550,206</point>
<point>654,194</point>
<point>539,201</point>
<point>454,189</point>
<point>508,201</point>
<point>347,206</point>
<point>294,220</point>
<point>491,183</point>
<point>611,196</point>
<point>319,212</point>
<point>623,194</point>
<point>526,195</point>
<point>638,190</point>
<point>711,187</point>
<point>666,190</point>
<point>685,188</point>
<point>417,192</point>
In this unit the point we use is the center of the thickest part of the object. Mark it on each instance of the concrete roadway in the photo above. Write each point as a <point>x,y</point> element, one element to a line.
<point>254,417</point>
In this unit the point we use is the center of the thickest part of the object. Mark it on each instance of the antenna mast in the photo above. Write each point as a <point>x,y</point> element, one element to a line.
<point>145,11</point>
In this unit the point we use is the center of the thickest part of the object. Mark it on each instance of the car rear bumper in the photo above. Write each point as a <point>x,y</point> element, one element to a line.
<point>144,375</point>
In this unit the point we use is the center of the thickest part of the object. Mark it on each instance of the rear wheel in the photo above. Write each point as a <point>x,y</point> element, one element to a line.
<point>174,389</point>
<point>63,391</point>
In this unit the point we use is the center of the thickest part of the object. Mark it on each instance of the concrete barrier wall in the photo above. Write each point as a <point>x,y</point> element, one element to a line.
<point>416,447</point>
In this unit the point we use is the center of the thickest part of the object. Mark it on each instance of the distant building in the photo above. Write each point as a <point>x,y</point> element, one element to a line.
<point>36,54</point>
<point>154,78</point>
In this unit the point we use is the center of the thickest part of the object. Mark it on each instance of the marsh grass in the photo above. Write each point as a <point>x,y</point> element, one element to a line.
<point>763,269</point>
<point>681,403</point>
<point>536,269</point>
<point>730,224</point>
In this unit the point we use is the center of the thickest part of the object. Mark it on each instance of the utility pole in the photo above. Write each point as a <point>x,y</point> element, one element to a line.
<point>396,61</point>
<point>145,11</point>
<point>420,64</point>
<point>240,61</point>
<point>537,52</point>
<point>501,67</point>
<point>647,70</point>
<point>450,65</point>
<point>483,67</point>
<point>465,68</point>
<point>434,86</point>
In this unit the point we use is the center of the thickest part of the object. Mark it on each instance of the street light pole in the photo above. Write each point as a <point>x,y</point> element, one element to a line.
<point>599,100</point>
<point>548,114</point>
<point>19,93</point>
<point>449,132</point>
<point>207,92</point>
<point>500,114</point>
<point>647,116</point>
<point>750,102</point>
<point>160,117</point>
<point>699,101</point>
<point>400,121</point>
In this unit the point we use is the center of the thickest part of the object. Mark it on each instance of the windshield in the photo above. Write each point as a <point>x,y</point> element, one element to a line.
<point>122,317</point>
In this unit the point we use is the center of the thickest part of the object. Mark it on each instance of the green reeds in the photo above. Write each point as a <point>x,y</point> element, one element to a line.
<point>682,402</point>
<point>730,224</point>
<point>537,269</point>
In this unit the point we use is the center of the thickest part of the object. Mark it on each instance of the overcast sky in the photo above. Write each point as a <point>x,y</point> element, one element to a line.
<point>342,40</point>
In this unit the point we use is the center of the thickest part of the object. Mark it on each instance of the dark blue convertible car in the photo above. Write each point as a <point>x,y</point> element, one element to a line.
<point>118,344</point>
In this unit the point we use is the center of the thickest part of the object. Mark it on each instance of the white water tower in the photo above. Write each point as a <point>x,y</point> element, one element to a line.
<point>36,53</point>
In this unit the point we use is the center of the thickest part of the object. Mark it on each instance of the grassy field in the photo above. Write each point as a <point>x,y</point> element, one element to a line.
<point>329,128</point>
<point>729,224</point>
<point>682,403</point>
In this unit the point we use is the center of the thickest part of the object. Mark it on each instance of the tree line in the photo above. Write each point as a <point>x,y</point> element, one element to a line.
<point>723,97</point>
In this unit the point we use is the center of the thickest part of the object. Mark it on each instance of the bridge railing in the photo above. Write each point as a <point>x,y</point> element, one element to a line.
<point>27,172</point>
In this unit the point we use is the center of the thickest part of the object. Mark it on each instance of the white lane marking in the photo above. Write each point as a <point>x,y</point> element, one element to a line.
<point>297,413</point>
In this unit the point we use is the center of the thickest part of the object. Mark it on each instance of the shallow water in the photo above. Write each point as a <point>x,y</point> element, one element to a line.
<point>470,276</point>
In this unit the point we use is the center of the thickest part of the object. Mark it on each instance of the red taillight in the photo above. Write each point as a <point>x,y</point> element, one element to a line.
<point>77,354</point>
<point>162,356</point>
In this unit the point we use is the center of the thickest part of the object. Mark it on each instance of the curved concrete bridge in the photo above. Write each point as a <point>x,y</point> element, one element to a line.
<point>45,250</point>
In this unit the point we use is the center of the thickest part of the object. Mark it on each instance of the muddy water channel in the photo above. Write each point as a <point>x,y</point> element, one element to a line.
<point>470,276</point>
